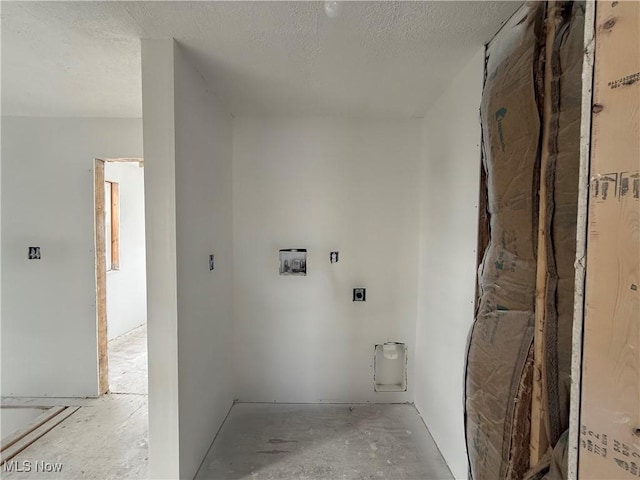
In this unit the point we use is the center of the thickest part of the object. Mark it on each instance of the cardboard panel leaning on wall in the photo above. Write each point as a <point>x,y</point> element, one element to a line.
<point>501,338</point>
<point>610,402</point>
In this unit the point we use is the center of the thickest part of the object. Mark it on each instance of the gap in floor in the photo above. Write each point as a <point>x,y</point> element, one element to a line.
<point>107,437</point>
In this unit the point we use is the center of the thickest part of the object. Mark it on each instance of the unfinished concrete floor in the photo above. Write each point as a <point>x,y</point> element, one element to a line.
<point>128,362</point>
<point>294,441</point>
<point>107,437</point>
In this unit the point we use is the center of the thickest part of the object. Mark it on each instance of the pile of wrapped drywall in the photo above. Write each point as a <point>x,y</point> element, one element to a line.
<point>500,362</point>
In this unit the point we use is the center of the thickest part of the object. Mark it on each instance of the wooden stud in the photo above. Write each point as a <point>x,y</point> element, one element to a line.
<point>539,442</point>
<point>33,435</point>
<point>48,414</point>
<point>101,278</point>
<point>115,226</point>
<point>139,160</point>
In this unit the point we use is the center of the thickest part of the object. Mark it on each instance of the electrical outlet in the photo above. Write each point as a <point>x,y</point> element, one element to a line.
<point>333,257</point>
<point>211,263</point>
<point>34,253</point>
<point>359,294</point>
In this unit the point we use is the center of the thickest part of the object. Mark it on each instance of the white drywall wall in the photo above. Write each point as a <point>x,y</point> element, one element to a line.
<point>448,239</point>
<point>188,148</point>
<point>160,220</point>
<point>204,227</point>
<point>126,287</point>
<point>49,340</point>
<point>323,184</point>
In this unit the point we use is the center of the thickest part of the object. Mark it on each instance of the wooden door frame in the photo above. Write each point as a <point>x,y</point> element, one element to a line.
<point>101,277</point>
<point>101,268</point>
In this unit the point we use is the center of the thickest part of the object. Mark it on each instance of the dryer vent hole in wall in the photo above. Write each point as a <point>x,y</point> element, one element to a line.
<point>390,367</point>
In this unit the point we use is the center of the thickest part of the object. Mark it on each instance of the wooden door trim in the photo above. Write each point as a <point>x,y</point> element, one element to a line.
<point>101,277</point>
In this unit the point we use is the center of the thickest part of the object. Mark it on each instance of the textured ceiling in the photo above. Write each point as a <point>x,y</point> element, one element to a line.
<point>383,59</point>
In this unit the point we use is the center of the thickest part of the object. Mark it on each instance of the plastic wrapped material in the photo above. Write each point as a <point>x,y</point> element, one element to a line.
<point>501,337</point>
<point>500,356</point>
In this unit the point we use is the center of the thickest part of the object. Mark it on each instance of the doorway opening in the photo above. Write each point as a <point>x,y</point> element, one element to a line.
<point>120,276</point>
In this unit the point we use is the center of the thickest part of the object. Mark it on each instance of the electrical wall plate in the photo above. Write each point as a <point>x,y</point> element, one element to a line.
<point>211,263</point>
<point>34,253</point>
<point>359,294</point>
<point>333,257</point>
